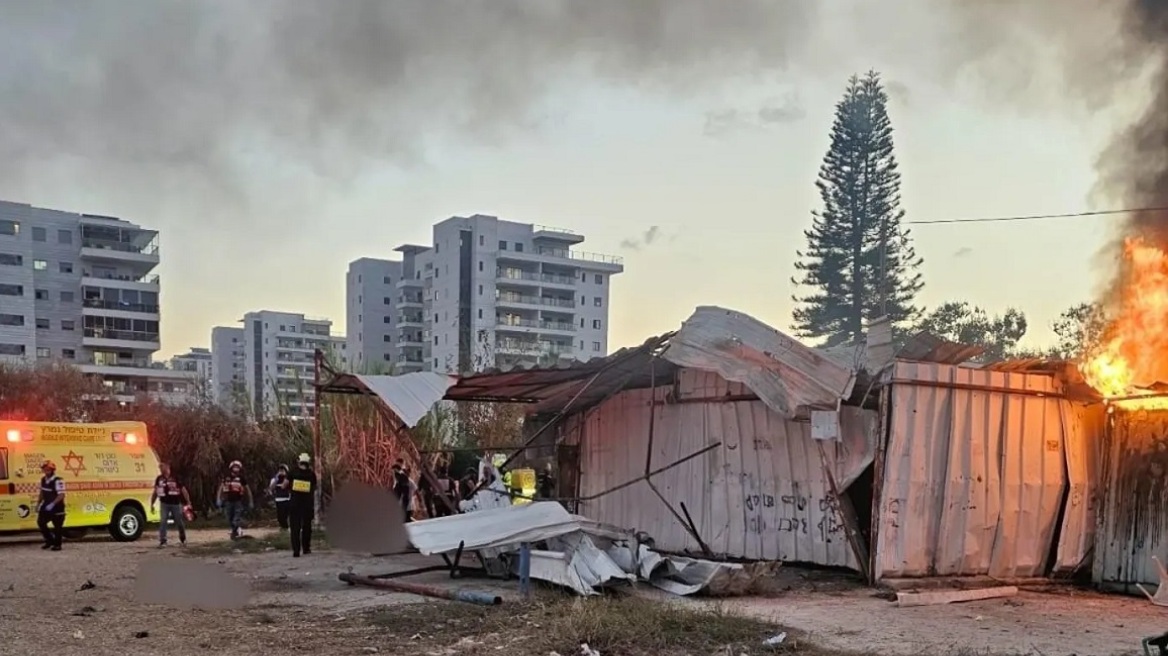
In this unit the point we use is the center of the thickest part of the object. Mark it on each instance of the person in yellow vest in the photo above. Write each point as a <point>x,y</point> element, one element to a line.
<point>302,506</point>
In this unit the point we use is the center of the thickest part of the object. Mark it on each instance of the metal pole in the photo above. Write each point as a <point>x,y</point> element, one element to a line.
<point>525,570</point>
<point>317,357</point>
<point>467,596</point>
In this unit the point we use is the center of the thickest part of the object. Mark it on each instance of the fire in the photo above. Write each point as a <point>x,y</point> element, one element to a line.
<point>1133,353</point>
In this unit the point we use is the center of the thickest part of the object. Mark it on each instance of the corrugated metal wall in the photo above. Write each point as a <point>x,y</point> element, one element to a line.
<point>761,495</point>
<point>1134,522</point>
<point>975,480</point>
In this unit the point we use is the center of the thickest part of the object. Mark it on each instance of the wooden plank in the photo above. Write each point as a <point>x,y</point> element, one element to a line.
<point>938,597</point>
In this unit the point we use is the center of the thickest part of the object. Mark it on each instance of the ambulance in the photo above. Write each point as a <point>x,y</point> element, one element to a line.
<point>108,469</point>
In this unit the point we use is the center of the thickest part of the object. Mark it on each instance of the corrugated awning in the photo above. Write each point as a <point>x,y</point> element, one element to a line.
<point>409,396</point>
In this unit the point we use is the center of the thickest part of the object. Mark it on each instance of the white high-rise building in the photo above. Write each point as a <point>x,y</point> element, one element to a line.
<point>370,313</point>
<point>80,288</point>
<point>269,363</point>
<point>228,385</point>
<point>487,293</point>
<point>196,363</point>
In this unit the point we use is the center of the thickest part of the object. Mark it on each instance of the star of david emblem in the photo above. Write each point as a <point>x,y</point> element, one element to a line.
<point>74,464</point>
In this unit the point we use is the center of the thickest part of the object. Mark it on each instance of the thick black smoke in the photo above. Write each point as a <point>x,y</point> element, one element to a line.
<point>1134,168</point>
<point>164,95</point>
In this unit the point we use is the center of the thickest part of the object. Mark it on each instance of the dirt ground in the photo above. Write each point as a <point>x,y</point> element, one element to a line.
<point>301,604</point>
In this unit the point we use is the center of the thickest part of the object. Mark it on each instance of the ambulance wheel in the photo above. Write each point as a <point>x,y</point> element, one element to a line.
<point>127,523</point>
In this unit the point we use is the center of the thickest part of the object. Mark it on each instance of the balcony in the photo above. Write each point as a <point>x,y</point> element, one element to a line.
<point>520,276</point>
<point>119,306</point>
<point>411,321</point>
<point>599,261</point>
<point>133,281</point>
<point>410,300</point>
<point>554,234</point>
<point>506,322</point>
<point>113,339</point>
<point>409,283</point>
<point>538,301</point>
<point>531,347</point>
<point>120,252</point>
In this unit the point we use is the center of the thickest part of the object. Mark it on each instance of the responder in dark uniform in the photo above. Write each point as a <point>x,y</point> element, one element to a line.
<point>51,507</point>
<point>302,510</point>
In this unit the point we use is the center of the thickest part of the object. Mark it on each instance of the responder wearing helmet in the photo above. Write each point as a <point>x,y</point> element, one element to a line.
<point>302,506</point>
<point>234,497</point>
<point>51,507</point>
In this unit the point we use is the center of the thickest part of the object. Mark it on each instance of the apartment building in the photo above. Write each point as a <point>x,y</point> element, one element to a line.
<point>269,362</point>
<point>80,288</point>
<point>490,293</point>
<point>371,314</point>
<point>196,363</point>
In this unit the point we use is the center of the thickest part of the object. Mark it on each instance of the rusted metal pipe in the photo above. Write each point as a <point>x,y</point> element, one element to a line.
<point>466,596</point>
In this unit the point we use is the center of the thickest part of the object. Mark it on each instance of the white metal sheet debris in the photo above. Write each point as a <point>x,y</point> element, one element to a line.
<point>411,395</point>
<point>582,555</point>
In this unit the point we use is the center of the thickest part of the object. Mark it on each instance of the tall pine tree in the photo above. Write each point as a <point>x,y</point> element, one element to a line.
<point>859,263</point>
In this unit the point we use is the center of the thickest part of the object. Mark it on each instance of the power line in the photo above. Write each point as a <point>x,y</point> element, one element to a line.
<point>1040,217</point>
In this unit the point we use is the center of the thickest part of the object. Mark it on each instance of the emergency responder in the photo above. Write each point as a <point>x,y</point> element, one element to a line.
<point>51,507</point>
<point>233,494</point>
<point>174,498</point>
<point>280,487</point>
<point>302,506</point>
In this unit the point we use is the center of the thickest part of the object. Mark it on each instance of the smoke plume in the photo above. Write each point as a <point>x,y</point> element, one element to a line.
<point>175,94</point>
<point>1134,168</point>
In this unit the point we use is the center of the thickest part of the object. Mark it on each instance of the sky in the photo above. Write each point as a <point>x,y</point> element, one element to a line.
<point>701,178</point>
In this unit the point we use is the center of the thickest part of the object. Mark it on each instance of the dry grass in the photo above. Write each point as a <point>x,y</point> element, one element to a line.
<point>554,623</point>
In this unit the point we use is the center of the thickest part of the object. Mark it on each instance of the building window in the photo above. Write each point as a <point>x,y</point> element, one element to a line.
<point>583,300</point>
<point>38,234</point>
<point>41,294</point>
<point>482,240</point>
<point>11,228</point>
<point>65,267</point>
<point>518,247</point>
<point>66,297</point>
<point>385,356</point>
<point>387,319</point>
<point>597,301</point>
<point>10,259</point>
<point>480,265</point>
<point>599,279</point>
<point>64,236</point>
<point>596,324</point>
<point>480,290</point>
<point>435,340</point>
<point>358,278</point>
<point>581,323</point>
<point>11,349</point>
<point>502,245</point>
<point>480,313</point>
<point>581,345</point>
<point>596,346</point>
<point>43,324</point>
<point>67,324</point>
<point>583,277</point>
<point>436,248</point>
<point>40,265</point>
<point>68,354</point>
<point>386,338</point>
<point>11,290</point>
<point>435,317</point>
<point>11,319</point>
<point>42,352</point>
<point>387,280</point>
<point>435,363</point>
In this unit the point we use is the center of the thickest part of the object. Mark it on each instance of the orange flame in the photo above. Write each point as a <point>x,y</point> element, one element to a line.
<point>1134,350</point>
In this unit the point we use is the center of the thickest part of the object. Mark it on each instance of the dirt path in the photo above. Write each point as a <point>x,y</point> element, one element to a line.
<point>295,603</point>
<point>299,604</point>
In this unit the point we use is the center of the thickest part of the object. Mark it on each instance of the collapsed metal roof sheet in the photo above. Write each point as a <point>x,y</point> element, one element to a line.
<point>927,347</point>
<point>410,396</point>
<point>785,374</point>
<point>580,384</point>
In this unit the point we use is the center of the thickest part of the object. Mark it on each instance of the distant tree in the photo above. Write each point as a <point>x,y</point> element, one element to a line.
<point>859,263</point>
<point>958,321</point>
<point>1079,329</point>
